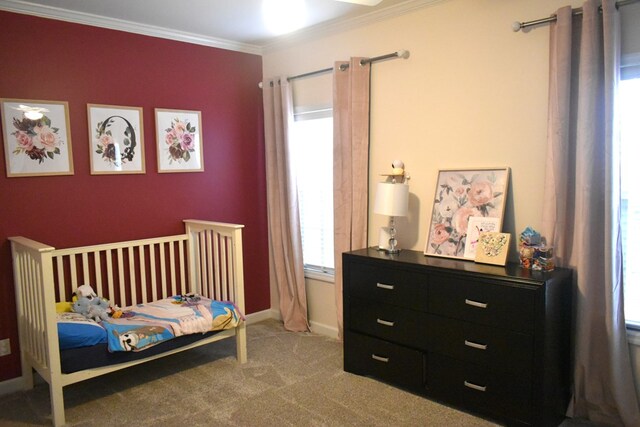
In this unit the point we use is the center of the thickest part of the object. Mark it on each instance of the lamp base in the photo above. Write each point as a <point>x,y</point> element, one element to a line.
<point>390,251</point>
<point>388,242</point>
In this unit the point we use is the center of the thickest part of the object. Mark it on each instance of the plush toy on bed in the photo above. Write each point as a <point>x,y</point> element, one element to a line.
<point>87,303</point>
<point>84,291</point>
<point>95,309</point>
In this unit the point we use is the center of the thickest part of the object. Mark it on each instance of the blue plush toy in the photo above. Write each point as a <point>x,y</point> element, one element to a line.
<point>95,309</point>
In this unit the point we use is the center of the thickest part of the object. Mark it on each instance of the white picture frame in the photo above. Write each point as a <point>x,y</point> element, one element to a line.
<point>477,225</point>
<point>116,139</point>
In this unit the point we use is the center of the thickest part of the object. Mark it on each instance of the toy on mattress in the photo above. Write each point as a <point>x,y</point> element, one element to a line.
<point>141,326</point>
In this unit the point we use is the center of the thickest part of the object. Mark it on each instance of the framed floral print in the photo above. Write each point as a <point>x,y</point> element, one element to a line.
<point>116,139</point>
<point>460,195</point>
<point>37,140</point>
<point>179,141</point>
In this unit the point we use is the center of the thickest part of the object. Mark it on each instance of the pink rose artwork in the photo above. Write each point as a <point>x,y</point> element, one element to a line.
<point>459,196</point>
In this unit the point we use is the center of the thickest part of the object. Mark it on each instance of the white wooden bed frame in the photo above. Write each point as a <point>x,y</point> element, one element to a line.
<point>206,260</point>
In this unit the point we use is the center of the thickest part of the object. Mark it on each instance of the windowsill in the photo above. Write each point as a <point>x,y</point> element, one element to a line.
<point>320,276</point>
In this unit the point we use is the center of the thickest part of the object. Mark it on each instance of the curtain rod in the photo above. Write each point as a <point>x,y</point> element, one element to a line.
<point>517,26</point>
<point>399,54</point>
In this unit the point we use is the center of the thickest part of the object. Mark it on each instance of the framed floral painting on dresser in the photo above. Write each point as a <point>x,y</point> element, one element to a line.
<point>179,141</point>
<point>37,140</point>
<point>462,194</point>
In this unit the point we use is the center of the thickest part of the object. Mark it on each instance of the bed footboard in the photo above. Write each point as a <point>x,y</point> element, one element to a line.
<point>223,280</point>
<point>206,260</point>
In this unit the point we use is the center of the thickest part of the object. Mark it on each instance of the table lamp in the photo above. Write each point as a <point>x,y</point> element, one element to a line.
<point>392,199</point>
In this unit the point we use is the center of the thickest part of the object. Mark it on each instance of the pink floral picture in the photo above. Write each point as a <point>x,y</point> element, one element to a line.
<point>36,138</point>
<point>460,195</point>
<point>179,141</point>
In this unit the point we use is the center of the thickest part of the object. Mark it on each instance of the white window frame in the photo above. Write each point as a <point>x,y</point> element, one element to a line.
<point>316,272</point>
<point>630,69</point>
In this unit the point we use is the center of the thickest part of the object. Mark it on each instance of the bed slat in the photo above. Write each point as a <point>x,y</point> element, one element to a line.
<point>143,271</point>
<point>154,283</point>
<point>132,277</point>
<point>172,268</point>
<point>112,295</point>
<point>163,272</point>
<point>97,264</point>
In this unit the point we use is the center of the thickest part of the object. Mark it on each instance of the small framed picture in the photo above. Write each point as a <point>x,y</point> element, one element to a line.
<point>37,140</point>
<point>477,225</point>
<point>116,139</point>
<point>493,248</point>
<point>462,194</point>
<point>179,141</point>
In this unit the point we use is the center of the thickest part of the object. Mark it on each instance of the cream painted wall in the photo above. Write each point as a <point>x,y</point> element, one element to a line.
<point>321,304</point>
<point>472,94</point>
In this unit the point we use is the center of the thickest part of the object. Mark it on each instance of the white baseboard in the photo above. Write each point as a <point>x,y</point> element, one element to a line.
<point>322,329</point>
<point>262,315</point>
<point>317,328</point>
<point>11,386</point>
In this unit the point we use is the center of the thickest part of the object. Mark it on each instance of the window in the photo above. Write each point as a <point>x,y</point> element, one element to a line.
<point>630,210</point>
<point>312,152</point>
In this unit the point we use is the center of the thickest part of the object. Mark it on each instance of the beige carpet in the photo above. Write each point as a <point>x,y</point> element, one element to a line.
<point>291,379</point>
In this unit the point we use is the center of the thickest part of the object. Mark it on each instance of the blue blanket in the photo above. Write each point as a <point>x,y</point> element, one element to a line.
<point>145,325</point>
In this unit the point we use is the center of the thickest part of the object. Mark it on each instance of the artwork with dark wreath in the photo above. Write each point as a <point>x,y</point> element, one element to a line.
<point>116,139</point>
<point>107,146</point>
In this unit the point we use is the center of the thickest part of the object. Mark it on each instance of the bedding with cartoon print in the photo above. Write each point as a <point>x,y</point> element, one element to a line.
<point>144,325</point>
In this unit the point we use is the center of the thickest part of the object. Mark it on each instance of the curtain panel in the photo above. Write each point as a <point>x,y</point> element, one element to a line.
<point>350,164</point>
<point>286,266</point>
<point>581,208</point>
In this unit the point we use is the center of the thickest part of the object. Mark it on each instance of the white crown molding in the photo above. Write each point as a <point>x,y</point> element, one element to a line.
<point>338,26</point>
<point>43,11</point>
<point>320,30</point>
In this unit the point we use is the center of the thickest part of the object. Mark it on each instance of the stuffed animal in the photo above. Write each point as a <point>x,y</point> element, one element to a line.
<point>397,167</point>
<point>95,309</point>
<point>84,291</point>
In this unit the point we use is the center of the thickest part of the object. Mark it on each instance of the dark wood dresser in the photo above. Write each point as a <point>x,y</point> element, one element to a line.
<point>490,340</point>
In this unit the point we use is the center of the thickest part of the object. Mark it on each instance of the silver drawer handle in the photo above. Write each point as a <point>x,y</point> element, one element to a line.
<point>475,303</point>
<point>380,358</point>
<point>384,322</point>
<point>384,286</point>
<point>475,345</point>
<point>475,386</point>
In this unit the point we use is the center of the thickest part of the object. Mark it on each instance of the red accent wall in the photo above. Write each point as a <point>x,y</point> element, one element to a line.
<point>44,59</point>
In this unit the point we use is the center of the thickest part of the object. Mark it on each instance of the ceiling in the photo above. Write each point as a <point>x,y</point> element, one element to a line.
<point>230,24</point>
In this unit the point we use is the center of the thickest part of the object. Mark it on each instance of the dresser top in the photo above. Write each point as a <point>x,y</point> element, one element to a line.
<point>512,271</point>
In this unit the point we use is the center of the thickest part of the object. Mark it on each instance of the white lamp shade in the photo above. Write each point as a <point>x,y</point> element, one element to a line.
<point>392,199</point>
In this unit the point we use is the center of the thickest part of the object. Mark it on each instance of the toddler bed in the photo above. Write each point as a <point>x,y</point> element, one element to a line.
<point>206,261</point>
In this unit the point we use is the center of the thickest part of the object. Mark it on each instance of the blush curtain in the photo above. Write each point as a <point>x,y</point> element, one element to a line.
<point>286,267</point>
<point>581,208</point>
<point>351,82</point>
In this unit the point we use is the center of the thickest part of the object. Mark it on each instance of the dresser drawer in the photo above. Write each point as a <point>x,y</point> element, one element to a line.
<point>482,302</point>
<point>370,356</point>
<point>387,285</point>
<point>500,394</point>
<point>397,324</point>
<point>493,347</point>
